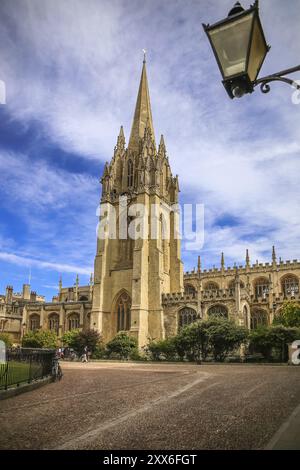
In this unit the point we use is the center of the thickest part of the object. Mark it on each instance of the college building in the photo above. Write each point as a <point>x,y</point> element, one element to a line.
<point>139,285</point>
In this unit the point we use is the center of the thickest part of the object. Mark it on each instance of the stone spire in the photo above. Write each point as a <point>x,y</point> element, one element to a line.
<point>274,259</point>
<point>222,261</point>
<point>162,145</point>
<point>121,140</point>
<point>142,115</point>
<point>247,258</point>
<point>199,265</point>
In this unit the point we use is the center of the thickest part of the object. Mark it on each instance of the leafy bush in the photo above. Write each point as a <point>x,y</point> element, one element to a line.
<point>7,339</point>
<point>122,346</point>
<point>272,342</point>
<point>289,315</point>
<point>216,336</point>
<point>164,349</point>
<point>85,338</point>
<point>192,342</point>
<point>224,336</point>
<point>70,338</point>
<point>40,339</point>
<point>99,352</point>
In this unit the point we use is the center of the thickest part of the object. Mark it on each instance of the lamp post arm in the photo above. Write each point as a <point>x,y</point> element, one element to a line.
<point>277,77</point>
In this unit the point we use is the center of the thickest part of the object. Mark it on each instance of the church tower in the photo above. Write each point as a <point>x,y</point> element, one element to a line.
<point>140,193</point>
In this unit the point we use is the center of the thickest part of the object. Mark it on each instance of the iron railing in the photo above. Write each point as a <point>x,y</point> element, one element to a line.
<point>25,365</point>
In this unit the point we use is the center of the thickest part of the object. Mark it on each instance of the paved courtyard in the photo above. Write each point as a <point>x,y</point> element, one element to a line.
<point>153,406</point>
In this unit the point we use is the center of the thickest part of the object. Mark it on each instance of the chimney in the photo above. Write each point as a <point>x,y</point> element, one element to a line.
<point>26,292</point>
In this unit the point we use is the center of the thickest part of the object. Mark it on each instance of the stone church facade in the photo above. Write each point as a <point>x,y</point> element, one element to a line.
<point>139,285</point>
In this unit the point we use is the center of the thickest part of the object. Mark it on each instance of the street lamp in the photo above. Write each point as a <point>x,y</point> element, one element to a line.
<point>240,48</point>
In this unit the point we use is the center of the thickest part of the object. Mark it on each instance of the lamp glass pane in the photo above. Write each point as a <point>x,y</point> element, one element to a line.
<point>258,52</point>
<point>231,42</point>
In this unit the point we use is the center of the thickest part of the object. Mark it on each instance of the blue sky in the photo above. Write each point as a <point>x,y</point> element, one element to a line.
<point>72,69</point>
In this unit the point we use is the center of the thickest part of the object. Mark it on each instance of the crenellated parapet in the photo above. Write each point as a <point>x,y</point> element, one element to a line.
<point>178,297</point>
<point>257,268</point>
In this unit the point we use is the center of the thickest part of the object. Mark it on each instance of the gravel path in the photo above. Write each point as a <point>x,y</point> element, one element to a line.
<point>153,406</point>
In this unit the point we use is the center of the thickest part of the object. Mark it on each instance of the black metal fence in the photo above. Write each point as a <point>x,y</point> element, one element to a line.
<point>25,365</point>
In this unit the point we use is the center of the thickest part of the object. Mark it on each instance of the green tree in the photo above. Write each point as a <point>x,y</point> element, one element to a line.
<point>289,315</point>
<point>7,339</point>
<point>85,338</point>
<point>192,341</point>
<point>122,346</point>
<point>70,338</point>
<point>40,339</point>
<point>165,348</point>
<point>224,336</point>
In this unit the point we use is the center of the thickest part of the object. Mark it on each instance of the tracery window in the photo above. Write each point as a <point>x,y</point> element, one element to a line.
<point>74,321</point>
<point>34,322</point>
<point>290,285</point>
<point>261,287</point>
<point>217,311</point>
<point>259,317</point>
<point>123,312</point>
<point>53,321</point>
<point>189,289</point>
<point>211,286</point>
<point>186,317</point>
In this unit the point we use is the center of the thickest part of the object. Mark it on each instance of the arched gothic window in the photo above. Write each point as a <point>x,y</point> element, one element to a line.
<point>130,173</point>
<point>290,285</point>
<point>53,321</point>
<point>189,289</point>
<point>74,321</point>
<point>34,322</point>
<point>211,286</point>
<point>259,317</point>
<point>123,312</point>
<point>217,311</point>
<point>186,317</point>
<point>261,287</point>
<point>231,284</point>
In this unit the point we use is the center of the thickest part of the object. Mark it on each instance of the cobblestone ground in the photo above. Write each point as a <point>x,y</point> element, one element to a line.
<point>153,406</point>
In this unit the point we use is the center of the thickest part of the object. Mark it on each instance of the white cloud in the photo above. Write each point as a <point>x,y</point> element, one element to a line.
<point>77,74</point>
<point>60,268</point>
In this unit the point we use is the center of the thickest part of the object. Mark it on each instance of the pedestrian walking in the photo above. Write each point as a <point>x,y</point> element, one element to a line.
<point>84,357</point>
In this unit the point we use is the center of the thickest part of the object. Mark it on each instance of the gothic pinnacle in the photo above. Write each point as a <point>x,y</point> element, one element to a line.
<point>274,258</point>
<point>222,261</point>
<point>199,264</point>
<point>247,258</point>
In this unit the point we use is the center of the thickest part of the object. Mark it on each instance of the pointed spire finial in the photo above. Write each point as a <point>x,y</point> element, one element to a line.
<point>91,279</point>
<point>60,283</point>
<point>274,258</point>
<point>77,280</point>
<point>142,115</point>
<point>199,264</point>
<point>121,139</point>
<point>162,145</point>
<point>247,258</point>
<point>144,51</point>
<point>222,260</point>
